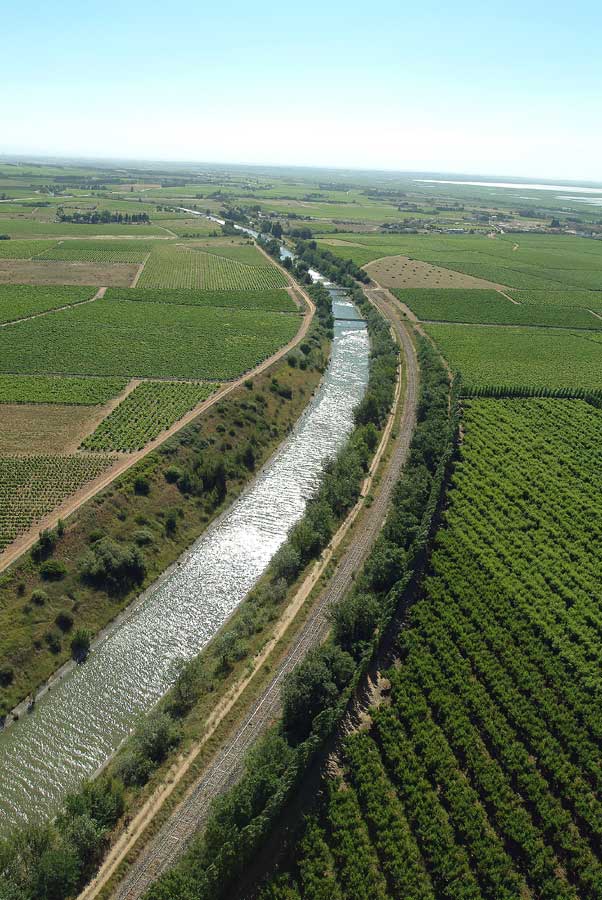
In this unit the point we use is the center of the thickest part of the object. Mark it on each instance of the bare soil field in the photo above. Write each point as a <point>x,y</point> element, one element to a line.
<point>24,271</point>
<point>44,428</point>
<point>404,272</point>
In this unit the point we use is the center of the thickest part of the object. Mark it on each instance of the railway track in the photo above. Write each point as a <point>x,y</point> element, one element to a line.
<point>163,850</point>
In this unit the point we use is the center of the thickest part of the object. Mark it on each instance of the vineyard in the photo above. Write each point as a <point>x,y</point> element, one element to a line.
<point>491,307</point>
<point>152,407</point>
<point>584,299</point>
<point>525,357</point>
<point>277,300</point>
<point>18,301</point>
<point>98,251</point>
<point>35,228</point>
<point>187,227</point>
<point>24,249</point>
<point>146,339</point>
<point>553,263</point>
<point>482,776</point>
<point>239,251</point>
<point>181,267</point>
<point>31,487</point>
<point>66,390</point>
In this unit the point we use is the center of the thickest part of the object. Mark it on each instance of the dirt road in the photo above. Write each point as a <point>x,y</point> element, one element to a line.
<point>226,767</point>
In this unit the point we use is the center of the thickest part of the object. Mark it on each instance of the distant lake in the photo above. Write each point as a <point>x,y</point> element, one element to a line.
<point>517,186</point>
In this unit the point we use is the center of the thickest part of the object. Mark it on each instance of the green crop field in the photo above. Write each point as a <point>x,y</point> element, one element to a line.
<point>20,300</point>
<point>180,267</point>
<point>186,226</point>
<point>526,357</point>
<point>146,339</point>
<point>32,486</point>
<point>276,299</point>
<point>31,227</point>
<point>151,408</point>
<point>584,299</point>
<point>24,249</point>
<point>232,249</point>
<point>66,390</point>
<point>481,776</point>
<point>476,306</point>
<point>554,264</point>
<point>110,251</point>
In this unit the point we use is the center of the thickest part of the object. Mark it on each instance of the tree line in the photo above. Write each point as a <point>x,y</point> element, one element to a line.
<point>102,217</point>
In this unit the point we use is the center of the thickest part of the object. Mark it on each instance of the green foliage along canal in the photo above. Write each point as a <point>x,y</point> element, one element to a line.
<point>76,727</point>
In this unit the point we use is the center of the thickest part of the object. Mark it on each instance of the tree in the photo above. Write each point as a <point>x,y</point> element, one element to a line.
<point>57,873</point>
<point>355,619</point>
<point>315,685</point>
<point>157,736</point>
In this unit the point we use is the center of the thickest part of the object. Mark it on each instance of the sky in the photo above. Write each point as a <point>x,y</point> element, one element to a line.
<point>465,87</point>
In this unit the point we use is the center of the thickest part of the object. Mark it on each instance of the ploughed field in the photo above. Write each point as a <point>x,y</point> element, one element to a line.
<point>480,776</point>
<point>210,311</point>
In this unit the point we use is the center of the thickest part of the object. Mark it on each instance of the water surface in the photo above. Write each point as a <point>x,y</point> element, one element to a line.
<point>79,724</point>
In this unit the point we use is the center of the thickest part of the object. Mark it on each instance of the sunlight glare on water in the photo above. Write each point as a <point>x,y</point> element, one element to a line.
<point>78,725</point>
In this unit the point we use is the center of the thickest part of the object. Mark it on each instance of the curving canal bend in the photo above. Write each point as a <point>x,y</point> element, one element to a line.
<point>77,726</point>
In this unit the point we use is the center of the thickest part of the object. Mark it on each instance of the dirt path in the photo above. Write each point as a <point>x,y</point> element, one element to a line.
<point>508,297</point>
<point>47,312</point>
<point>226,767</point>
<point>28,539</point>
<point>140,270</point>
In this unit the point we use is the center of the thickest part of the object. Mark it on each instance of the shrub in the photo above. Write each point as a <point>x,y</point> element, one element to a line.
<point>142,485</point>
<point>7,675</point>
<point>143,537</point>
<point>287,563</point>
<point>53,639</point>
<point>134,769</point>
<point>44,546</point>
<point>80,644</point>
<point>64,620</point>
<point>173,474</point>
<point>171,520</point>
<point>39,597</point>
<point>53,570</point>
<point>157,736</point>
<point>112,564</point>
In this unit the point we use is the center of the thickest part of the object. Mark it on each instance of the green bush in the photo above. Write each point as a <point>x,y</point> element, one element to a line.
<point>53,570</point>
<point>7,676</point>
<point>80,644</point>
<point>115,565</point>
<point>142,485</point>
<point>64,620</point>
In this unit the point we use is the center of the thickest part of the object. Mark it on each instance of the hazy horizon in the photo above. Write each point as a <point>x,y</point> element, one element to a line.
<point>547,182</point>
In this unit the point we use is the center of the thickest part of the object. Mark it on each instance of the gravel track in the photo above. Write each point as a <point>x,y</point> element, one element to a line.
<point>227,766</point>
